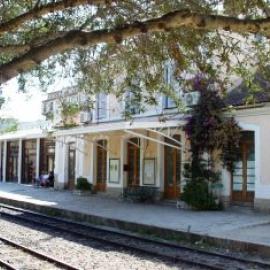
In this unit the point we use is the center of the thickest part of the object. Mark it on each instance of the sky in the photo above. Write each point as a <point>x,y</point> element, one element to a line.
<point>26,107</point>
<point>22,106</point>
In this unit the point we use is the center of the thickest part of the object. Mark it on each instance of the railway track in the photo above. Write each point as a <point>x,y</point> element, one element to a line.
<point>133,242</point>
<point>19,256</point>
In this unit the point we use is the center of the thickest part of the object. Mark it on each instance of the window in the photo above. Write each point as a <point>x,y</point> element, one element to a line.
<point>51,106</point>
<point>168,102</point>
<point>168,74</point>
<point>101,106</point>
<point>73,99</point>
<point>132,103</point>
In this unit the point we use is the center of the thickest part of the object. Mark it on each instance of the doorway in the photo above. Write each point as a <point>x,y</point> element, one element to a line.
<point>47,156</point>
<point>172,169</point>
<point>101,165</point>
<point>133,156</point>
<point>71,165</point>
<point>12,161</point>
<point>29,152</point>
<point>243,176</point>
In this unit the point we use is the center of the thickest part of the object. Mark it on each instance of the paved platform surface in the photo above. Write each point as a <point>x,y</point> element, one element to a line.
<point>236,224</point>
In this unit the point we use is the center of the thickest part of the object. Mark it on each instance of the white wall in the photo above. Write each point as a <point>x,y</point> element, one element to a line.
<point>257,120</point>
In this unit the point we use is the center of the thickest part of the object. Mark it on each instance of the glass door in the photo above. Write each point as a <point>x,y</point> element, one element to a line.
<point>243,177</point>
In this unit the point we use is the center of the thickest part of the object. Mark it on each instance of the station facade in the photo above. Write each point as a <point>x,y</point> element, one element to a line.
<point>150,150</point>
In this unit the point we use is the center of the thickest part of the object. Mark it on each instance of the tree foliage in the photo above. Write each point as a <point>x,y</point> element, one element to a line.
<point>8,125</point>
<point>96,41</point>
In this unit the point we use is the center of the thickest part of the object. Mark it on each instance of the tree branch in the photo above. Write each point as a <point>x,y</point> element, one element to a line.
<point>38,11</point>
<point>173,20</point>
<point>14,49</point>
<point>23,48</point>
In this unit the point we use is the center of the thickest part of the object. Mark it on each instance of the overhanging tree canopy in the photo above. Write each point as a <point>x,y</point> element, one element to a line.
<point>95,41</point>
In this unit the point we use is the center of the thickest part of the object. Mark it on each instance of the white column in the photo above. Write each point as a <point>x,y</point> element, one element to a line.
<point>108,162</point>
<point>226,182</point>
<point>60,170</point>
<point>122,162</point>
<point>258,161</point>
<point>37,157</point>
<point>1,158</point>
<point>142,145</point>
<point>57,164</point>
<point>93,153</point>
<point>91,167</point>
<point>80,155</point>
<point>64,159</point>
<point>20,162</point>
<point>159,164</point>
<point>77,158</point>
<point>5,162</point>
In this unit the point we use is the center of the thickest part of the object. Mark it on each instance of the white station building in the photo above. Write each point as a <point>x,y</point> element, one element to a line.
<point>114,153</point>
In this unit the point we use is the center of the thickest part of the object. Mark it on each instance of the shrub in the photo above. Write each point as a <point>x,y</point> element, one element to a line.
<point>140,193</point>
<point>83,184</point>
<point>197,195</point>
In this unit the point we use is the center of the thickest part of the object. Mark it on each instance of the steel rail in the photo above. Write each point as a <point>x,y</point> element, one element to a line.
<point>7,265</point>
<point>36,254</point>
<point>264,265</point>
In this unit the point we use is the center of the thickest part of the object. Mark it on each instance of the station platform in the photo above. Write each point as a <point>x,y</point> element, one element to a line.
<point>236,228</point>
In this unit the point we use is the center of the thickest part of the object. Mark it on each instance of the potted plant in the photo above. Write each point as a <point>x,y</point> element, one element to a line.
<point>83,187</point>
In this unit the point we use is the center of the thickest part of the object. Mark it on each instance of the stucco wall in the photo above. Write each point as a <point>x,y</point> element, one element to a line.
<point>258,120</point>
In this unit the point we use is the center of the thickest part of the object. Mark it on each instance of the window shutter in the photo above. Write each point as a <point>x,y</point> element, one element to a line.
<point>102,106</point>
<point>168,79</point>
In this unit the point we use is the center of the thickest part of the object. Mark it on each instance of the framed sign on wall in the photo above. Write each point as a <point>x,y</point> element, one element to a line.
<point>114,173</point>
<point>149,171</point>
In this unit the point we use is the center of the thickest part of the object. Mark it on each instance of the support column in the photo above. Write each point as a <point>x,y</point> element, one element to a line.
<point>60,171</point>
<point>159,164</point>
<point>142,145</point>
<point>37,157</point>
<point>1,145</point>
<point>122,162</point>
<point>93,172</point>
<point>64,159</point>
<point>20,162</point>
<point>80,156</point>
<point>57,165</point>
<point>5,162</point>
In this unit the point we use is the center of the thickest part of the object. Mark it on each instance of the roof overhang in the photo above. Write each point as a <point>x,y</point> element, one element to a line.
<point>92,129</point>
<point>23,134</point>
<point>110,127</point>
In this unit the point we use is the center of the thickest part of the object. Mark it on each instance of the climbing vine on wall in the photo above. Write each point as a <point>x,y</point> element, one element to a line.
<point>210,132</point>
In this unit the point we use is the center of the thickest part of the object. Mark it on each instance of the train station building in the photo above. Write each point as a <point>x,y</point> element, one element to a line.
<point>150,150</point>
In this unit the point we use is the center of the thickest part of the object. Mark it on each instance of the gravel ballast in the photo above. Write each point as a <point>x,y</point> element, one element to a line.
<point>81,252</point>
